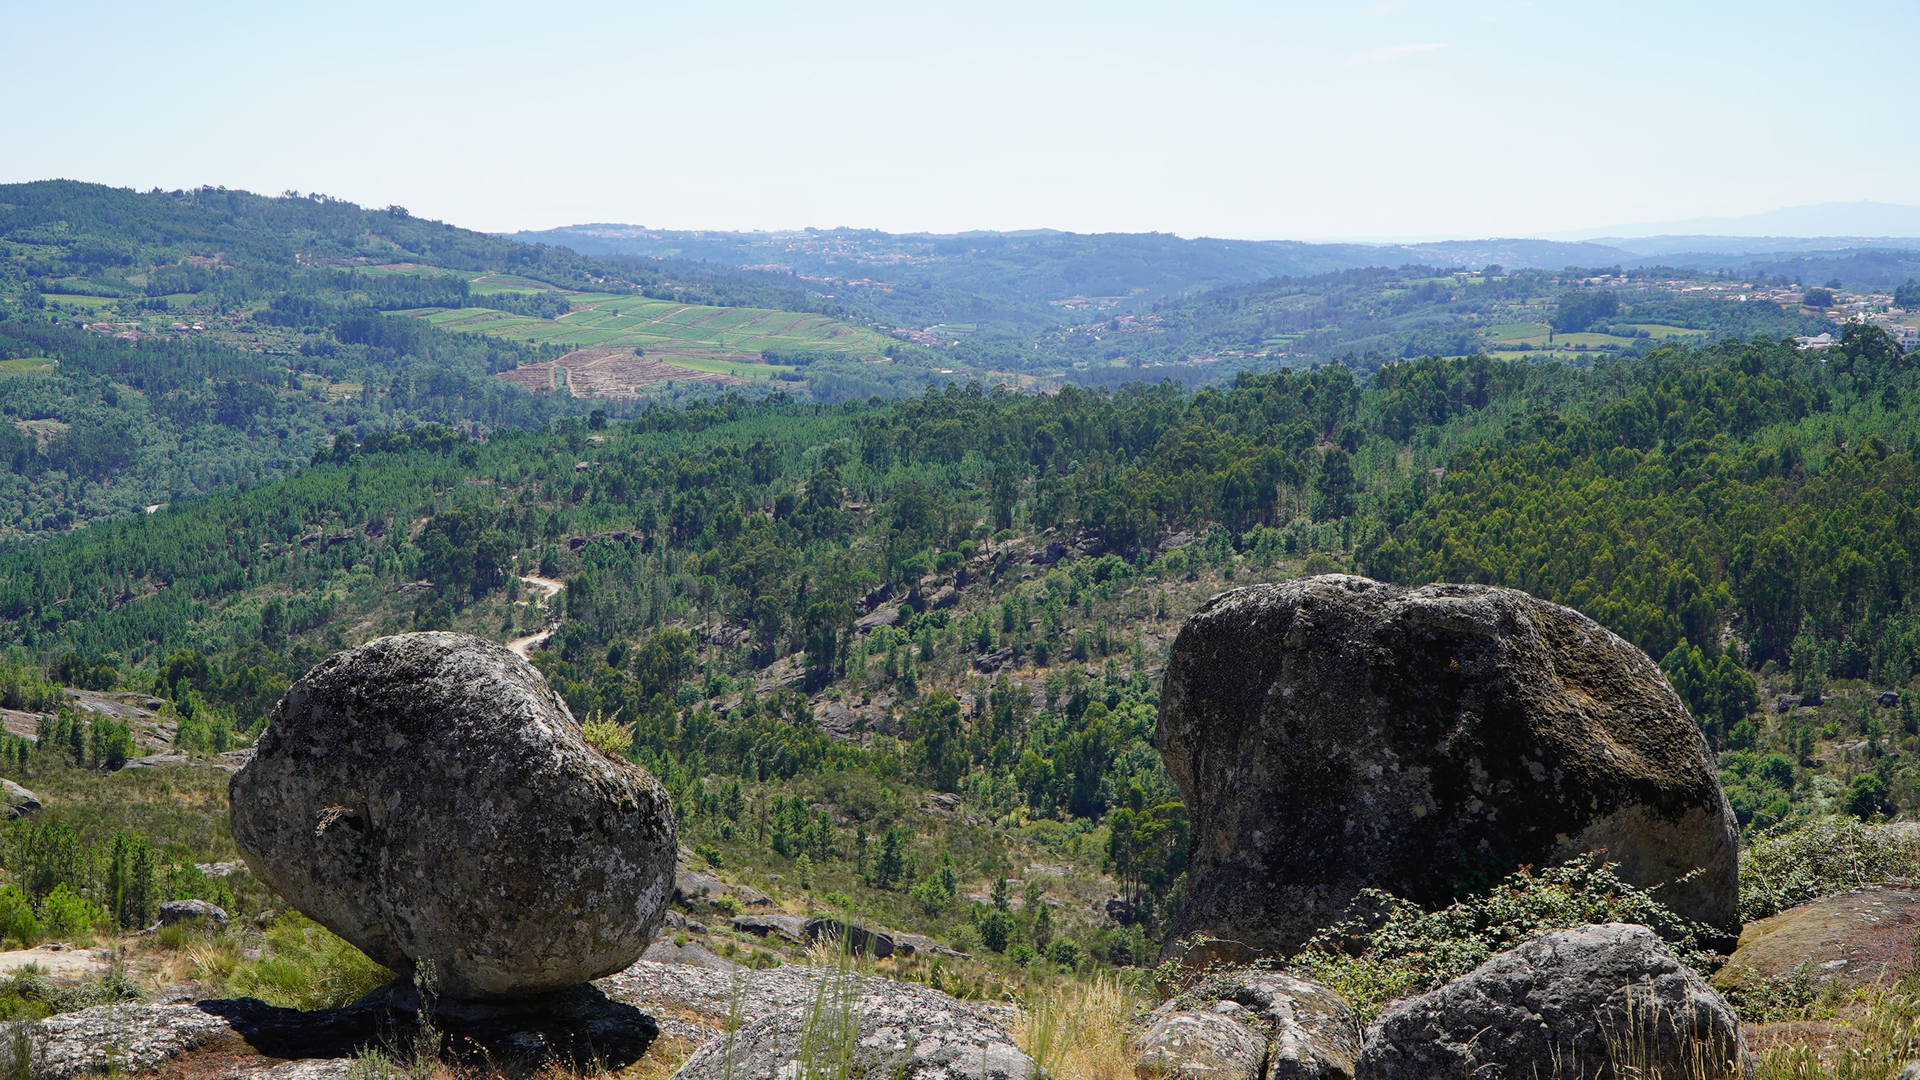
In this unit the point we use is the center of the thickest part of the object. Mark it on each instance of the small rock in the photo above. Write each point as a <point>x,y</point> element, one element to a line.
<point>179,911</point>
<point>1199,1044</point>
<point>914,944</point>
<point>1911,1072</point>
<point>902,1031</point>
<point>688,955</point>
<point>790,928</point>
<point>860,939</point>
<point>1551,1007</point>
<point>20,801</point>
<point>155,761</point>
<point>1887,699</point>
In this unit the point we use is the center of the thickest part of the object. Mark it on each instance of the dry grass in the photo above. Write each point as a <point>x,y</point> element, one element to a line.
<point>1082,1031</point>
<point>1870,1040</point>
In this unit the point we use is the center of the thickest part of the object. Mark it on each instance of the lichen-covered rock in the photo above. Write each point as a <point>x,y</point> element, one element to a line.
<point>1311,1030</point>
<point>1855,938</point>
<point>1572,1004</point>
<point>122,1038</point>
<point>1200,1044</point>
<point>877,1027</point>
<point>1336,733</point>
<point>429,797</point>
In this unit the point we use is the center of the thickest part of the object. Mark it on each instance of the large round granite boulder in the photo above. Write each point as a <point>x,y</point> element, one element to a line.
<point>1336,733</point>
<point>429,797</point>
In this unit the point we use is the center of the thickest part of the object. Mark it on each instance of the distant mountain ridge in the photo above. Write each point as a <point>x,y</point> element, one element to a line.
<point>1861,223</point>
<point>1048,266</point>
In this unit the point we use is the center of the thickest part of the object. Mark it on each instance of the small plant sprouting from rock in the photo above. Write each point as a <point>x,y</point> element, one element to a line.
<point>608,736</point>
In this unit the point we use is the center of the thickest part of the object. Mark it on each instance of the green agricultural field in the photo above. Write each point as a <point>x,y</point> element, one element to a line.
<point>1517,331</point>
<point>25,365</point>
<point>1661,330</point>
<point>601,321</point>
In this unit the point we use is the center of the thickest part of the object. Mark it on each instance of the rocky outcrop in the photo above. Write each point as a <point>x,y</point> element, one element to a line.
<point>1312,1031</point>
<point>688,954</point>
<point>1597,1000</point>
<point>692,888</point>
<point>1302,1029</point>
<point>898,1030</point>
<point>19,801</point>
<point>1336,733</point>
<point>1200,1044</point>
<point>1855,938</point>
<point>179,911</point>
<point>429,797</point>
<point>123,1039</point>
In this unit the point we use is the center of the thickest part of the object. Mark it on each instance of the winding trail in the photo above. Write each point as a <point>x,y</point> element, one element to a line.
<point>549,589</point>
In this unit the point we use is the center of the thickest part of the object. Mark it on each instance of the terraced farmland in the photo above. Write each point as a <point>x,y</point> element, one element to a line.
<point>612,373</point>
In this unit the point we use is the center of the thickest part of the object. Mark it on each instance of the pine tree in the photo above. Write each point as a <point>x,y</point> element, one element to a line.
<point>892,863</point>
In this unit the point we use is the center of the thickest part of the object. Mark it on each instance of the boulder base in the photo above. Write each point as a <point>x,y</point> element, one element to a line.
<point>1336,733</point>
<point>429,798</point>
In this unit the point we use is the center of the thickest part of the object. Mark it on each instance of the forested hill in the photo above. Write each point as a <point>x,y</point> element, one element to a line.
<point>160,346</point>
<point>1017,565</point>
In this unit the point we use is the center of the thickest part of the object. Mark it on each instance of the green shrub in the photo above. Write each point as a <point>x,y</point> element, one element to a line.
<point>1787,867</point>
<point>67,915</point>
<point>17,920</point>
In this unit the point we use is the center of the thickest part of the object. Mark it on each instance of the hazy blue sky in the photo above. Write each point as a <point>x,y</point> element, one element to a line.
<point>1414,118</point>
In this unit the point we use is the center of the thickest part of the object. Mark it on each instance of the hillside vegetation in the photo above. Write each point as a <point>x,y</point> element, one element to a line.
<point>904,656</point>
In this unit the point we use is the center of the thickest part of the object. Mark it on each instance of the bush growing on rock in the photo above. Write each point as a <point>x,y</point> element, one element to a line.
<point>1398,948</point>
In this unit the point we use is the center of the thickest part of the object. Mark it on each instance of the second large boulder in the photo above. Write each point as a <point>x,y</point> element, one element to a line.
<point>1336,733</point>
<point>428,797</point>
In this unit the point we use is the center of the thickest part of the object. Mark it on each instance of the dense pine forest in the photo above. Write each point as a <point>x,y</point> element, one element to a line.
<point>803,616</point>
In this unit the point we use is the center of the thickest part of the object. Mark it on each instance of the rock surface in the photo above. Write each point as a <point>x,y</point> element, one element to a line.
<point>179,911</point>
<point>1854,938</point>
<point>1200,1044</point>
<point>123,1038</point>
<point>429,797</point>
<point>1422,741</point>
<point>898,1030</point>
<point>688,955</point>
<point>1312,1031</point>
<point>19,801</point>
<point>1569,1004</point>
<point>609,1023</point>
